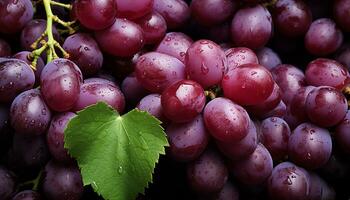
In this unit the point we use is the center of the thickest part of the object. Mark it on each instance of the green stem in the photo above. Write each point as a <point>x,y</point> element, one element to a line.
<point>35,182</point>
<point>210,94</point>
<point>55,3</point>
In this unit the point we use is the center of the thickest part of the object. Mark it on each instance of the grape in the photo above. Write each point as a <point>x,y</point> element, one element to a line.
<point>100,90</point>
<point>175,44</point>
<point>344,58</point>
<point>326,72</point>
<point>310,146</point>
<point>205,63</point>
<point>123,38</point>
<point>225,120</point>
<point>152,104</point>
<point>16,77</point>
<point>175,12</point>
<point>132,90</point>
<point>319,189</point>
<point>239,56</point>
<point>251,27</point>
<point>207,174</point>
<point>5,49</point>
<point>95,14</point>
<point>84,52</point>
<point>323,37</point>
<point>55,136</point>
<point>275,134</point>
<point>288,181</point>
<point>254,169</point>
<point>290,79</point>
<point>292,18</point>
<point>248,84</point>
<point>208,12</point>
<point>183,101</point>
<point>14,14</point>
<point>27,195</point>
<point>279,111</point>
<point>134,10</point>
<point>187,140</point>
<point>229,192</point>
<point>62,182</point>
<point>29,113</point>
<point>33,30</point>
<point>240,149</point>
<point>341,14</point>
<point>7,183</point>
<point>270,103</point>
<point>326,106</point>
<point>156,71</point>
<point>296,109</point>
<point>23,55</point>
<point>154,27</point>
<point>28,154</point>
<point>268,58</point>
<point>342,133</point>
<point>60,84</point>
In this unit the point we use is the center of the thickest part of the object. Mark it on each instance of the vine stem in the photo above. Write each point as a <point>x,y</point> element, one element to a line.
<point>51,43</point>
<point>35,182</point>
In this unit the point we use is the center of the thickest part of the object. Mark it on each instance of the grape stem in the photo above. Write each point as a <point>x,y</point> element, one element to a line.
<point>50,44</point>
<point>35,182</point>
<point>346,91</point>
<point>270,3</point>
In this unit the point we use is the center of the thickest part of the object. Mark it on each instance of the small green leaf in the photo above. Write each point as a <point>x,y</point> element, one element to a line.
<point>116,154</point>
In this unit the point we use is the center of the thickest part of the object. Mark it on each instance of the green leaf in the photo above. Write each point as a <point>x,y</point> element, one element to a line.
<point>116,154</point>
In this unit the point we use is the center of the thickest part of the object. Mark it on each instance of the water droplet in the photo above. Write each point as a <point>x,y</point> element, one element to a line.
<point>120,169</point>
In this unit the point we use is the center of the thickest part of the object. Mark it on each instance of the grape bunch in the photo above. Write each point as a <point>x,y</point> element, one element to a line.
<point>253,95</point>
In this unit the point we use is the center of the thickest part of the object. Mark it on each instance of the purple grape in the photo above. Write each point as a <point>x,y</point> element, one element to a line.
<point>28,154</point>
<point>251,27</point>
<point>209,13</point>
<point>55,136</point>
<point>341,14</point>
<point>154,27</point>
<point>344,58</point>
<point>254,169</point>
<point>23,55</point>
<point>268,58</point>
<point>319,189</point>
<point>187,140</point>
<point>242,148</point>
<point>342,133</point>
<point>60,84</point>
<point>229,192</point>
<point>323,37</point>
<point>225,120</point>
<point>156,71</point>
<point>175,12</point>
<point>7,183</point>
<point>326,72</point>
<point>183,101</point>
<point>33,30</point>
<point>29,113</point>
<point>326,106</point>
<point>292,18</point>
<point>152,104</point>
<point>275,135</point>
<point>239,56</point>
<point>288,181</point>
<point>14,14</point>
<point>91,92</point>
<point>206,63</point>
<point>62,182</point>
<point>5,49</point>
<point>279,111</point>
<point>248,84</point>
<point>123,38</point>
<point>134,10</point>
<point>133,90</point>
<point>27,195</point>
<point>84,52</point>
<point>175,44</point>
<point>310,146</point>
<point>207,174</point>
<point>290,79</point>
<point>16,77</point>
<point>85,11</point>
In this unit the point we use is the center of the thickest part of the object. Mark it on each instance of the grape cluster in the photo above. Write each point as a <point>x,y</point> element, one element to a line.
<point>253,94</point>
